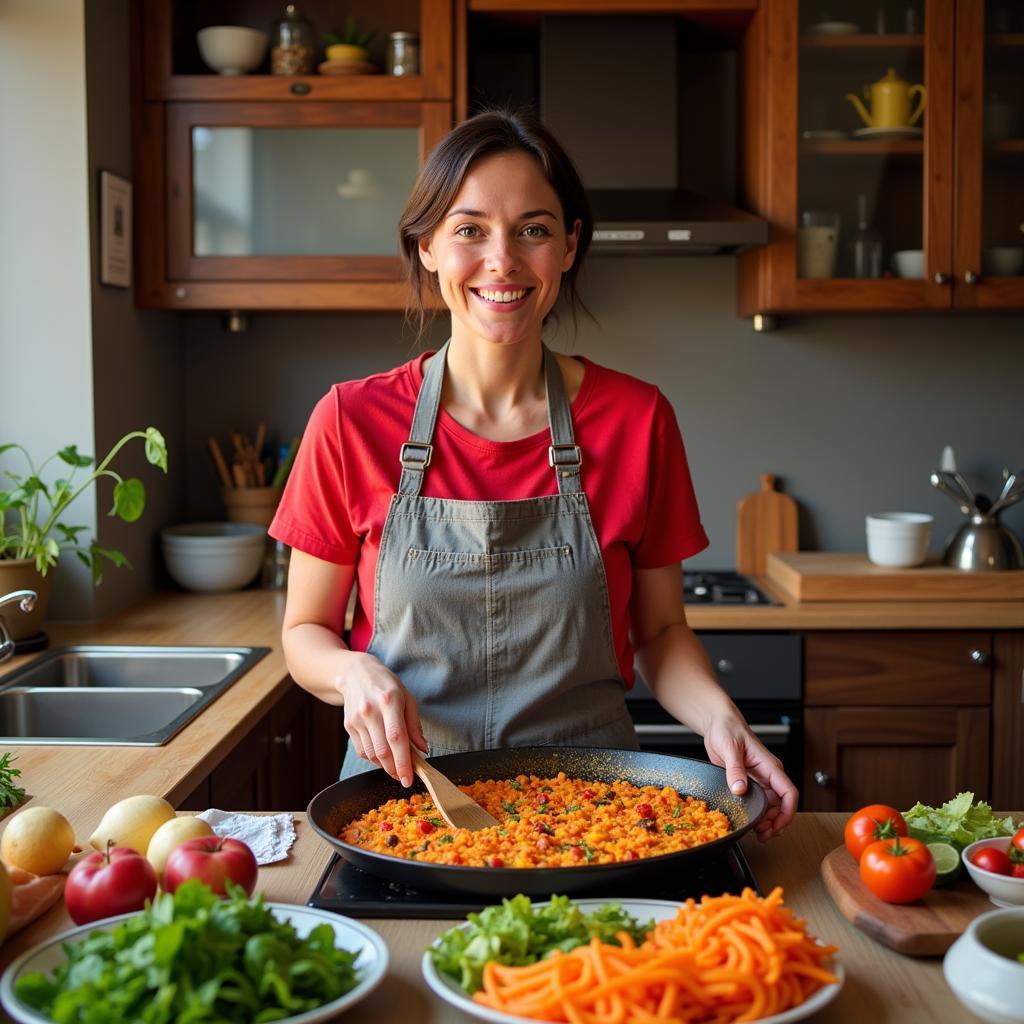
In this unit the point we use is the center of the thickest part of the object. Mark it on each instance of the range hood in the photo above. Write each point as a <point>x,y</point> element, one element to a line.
<point>650,120</point>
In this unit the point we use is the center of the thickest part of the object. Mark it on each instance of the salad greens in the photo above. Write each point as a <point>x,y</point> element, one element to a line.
<point>518,933</point>
<point>190,958</point>
<point>959,819</point>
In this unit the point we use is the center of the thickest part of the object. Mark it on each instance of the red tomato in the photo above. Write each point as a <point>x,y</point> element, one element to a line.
<point>871,823</point>
<point>898,870</point>
<point>1018,869</point>
<point>645,810</point>
<point>114,881</point>
<point>425,827</point>
<point>212,860</point>
<point>495,862</point>
<point>1016,850</point>
<point>991,858</point>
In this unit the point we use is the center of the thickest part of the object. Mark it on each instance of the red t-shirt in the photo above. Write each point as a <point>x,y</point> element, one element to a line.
<point>635,476</point>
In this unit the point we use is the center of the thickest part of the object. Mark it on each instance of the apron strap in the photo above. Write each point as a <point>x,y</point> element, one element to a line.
<point>416,452</point>
<point>563,453</point>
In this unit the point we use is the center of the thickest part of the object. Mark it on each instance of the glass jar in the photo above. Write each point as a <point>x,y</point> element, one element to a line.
<point>292,44</point>
<point>403,53</point>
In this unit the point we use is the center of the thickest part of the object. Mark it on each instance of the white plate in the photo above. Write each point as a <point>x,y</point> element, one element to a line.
<point>642,910</point>
<point>372,962</point>
<point>834,28</point>
<point>888,133</point>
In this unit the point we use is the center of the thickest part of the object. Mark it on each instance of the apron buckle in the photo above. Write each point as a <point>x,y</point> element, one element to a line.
<point>572,455</point>
<point>416,462</point>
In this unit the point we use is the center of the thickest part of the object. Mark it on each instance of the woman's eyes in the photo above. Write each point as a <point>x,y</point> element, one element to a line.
<point>530,230</point>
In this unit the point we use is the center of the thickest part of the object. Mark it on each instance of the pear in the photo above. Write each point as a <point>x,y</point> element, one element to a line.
<point>131,822</point>
<point>169,835</point>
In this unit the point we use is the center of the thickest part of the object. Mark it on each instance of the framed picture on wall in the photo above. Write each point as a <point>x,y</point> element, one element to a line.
<point>115,230</point>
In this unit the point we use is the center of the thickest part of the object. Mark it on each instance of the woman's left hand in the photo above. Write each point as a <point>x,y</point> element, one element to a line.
<point>732,746</point>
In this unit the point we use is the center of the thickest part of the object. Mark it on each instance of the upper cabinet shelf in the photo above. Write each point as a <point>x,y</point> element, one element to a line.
<point>174,70</point>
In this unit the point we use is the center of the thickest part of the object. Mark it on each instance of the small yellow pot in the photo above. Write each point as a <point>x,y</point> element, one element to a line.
<point>346,51</point>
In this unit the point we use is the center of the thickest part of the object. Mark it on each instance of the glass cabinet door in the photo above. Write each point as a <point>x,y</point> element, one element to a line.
<point>990,154</point>
<point>864,119</point>
<point>268,192</point>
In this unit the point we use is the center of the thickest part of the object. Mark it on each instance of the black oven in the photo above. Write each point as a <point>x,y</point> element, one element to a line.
<point>762,673</point>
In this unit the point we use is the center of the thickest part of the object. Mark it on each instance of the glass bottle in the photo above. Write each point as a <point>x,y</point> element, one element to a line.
<point>292,44</point>
<point>865,244</point>
<point>403,53</point>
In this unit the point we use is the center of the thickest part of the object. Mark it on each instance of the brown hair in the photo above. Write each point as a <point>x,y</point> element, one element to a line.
<point>438,183</point>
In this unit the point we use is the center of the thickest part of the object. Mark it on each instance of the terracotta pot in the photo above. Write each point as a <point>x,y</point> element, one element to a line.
<point>21,574</point>
<point>251,504</point>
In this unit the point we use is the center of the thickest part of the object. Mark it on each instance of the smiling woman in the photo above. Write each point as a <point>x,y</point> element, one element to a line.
<point>515,518</point>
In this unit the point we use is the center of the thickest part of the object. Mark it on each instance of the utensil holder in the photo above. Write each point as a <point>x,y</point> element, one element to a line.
<point>251,504</point>
<point>984,544</point>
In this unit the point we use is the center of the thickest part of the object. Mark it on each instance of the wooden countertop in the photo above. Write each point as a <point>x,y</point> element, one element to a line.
<point>881,986</point>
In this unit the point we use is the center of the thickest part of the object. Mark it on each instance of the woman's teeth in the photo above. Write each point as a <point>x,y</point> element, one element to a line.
<point>501,296</point>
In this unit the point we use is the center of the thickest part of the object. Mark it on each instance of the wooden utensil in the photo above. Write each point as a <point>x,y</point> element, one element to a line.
<point>765,522</point>
<point>454,806</point>
<point>925,928</point>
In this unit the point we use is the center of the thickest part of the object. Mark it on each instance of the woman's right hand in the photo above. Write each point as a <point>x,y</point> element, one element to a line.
<point>381,717</point>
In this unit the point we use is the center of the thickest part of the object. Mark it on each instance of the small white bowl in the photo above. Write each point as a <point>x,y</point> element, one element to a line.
<point>908,262</point>
<point>1003,261</point>
<point>232,49</point>
<point>1003,890</point>
<point>981,966</point>
<point>898,539</point>
<point>213,556</point>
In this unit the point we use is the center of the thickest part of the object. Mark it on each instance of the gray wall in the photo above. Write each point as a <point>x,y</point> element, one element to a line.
<point>851,412</point>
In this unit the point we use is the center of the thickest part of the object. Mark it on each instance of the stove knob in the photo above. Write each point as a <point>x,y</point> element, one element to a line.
<point>724,666</point>
<point>823,779</point>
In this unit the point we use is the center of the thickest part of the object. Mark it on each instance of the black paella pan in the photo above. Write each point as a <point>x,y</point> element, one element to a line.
<point>334,807</point>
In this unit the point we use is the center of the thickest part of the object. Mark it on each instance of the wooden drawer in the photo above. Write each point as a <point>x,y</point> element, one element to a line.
<point>925,668</point>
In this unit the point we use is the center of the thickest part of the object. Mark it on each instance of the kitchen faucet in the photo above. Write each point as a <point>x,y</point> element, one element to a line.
<point>27,600</point>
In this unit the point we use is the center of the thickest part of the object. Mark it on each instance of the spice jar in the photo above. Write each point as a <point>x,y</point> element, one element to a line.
<point>403,53</point>
<point>292,44</point>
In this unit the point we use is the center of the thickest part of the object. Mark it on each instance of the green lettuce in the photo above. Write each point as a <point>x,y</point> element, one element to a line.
<point>959,819</point>
<point>191,958</point>
<point>517,933</point>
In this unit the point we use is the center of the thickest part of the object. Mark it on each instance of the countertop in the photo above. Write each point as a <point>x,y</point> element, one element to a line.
<point>881,985</point>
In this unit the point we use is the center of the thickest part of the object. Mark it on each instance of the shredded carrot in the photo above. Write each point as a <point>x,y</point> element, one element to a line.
<point>724,960</point>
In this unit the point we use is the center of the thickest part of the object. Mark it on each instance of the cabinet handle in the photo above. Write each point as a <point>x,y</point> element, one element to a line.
<point>979,657</point>
<point>300,88</point>
<point>284,741</point>
<point>724,665</point>
<point>970,277</point>
<point>941,278</point>
<point>823,779</point>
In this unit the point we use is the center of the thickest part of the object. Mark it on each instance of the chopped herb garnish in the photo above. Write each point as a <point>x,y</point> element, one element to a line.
<point>515,785</point>
<point>677,811</point>
<point>510,807</point>
<point>588,851</point>
<point>445,839</point>
<point>669,829</point>
<point>436,822</point>
<point>575,807</point>
<point>502,831</point>
<point>513,817</point>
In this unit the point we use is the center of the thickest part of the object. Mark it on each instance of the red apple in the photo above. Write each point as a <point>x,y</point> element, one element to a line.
<point>212,860</point>
<point>109,882</point>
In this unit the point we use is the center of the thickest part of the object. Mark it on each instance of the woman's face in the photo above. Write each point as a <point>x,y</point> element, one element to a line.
<point>501,250</point>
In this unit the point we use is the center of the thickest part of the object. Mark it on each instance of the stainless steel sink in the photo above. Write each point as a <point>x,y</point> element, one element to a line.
<point>132,696</point>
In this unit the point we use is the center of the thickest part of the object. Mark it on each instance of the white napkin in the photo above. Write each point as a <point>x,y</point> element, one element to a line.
<point>269,836</point>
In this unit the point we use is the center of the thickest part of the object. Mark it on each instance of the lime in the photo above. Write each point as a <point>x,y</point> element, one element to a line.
<point>947,862</point>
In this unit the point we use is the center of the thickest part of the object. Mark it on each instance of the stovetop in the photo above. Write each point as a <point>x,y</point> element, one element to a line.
<point>349,890</point>
<point>722,587</point>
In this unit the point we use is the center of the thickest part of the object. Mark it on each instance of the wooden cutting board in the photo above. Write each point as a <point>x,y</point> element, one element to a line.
<point>829,576</point>
<point>925,928</point>
<point>765,522</point>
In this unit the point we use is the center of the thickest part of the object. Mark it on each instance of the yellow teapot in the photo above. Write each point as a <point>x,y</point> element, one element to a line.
<point>890,102</point>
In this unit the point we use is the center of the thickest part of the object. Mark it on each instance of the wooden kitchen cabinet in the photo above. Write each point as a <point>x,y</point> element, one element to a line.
<point>292,752</point>
<point>949,192</point>
<point>896,717</point>
<point>1008,720</point>
<point>264,191</point>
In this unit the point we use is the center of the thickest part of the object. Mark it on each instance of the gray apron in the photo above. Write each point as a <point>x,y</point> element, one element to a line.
<point>495,614</point>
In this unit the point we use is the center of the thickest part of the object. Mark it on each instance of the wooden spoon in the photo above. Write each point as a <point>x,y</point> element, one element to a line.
<point>454,806</point>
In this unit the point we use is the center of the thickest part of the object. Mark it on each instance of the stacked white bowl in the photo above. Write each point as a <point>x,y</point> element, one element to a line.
<point>213,556</point>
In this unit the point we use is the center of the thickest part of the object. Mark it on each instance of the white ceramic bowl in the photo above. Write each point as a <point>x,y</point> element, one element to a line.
<point>1003,890</point>
<point>981,966</point>
<point>232,49</point>
<point>908,262</point>
<point>898,539</point>
<point>213,556</point>
<point>1003,261</point>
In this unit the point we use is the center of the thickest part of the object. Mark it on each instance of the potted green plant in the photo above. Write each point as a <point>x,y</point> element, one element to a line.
<point>349,45</point>
<point>33,533</point>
